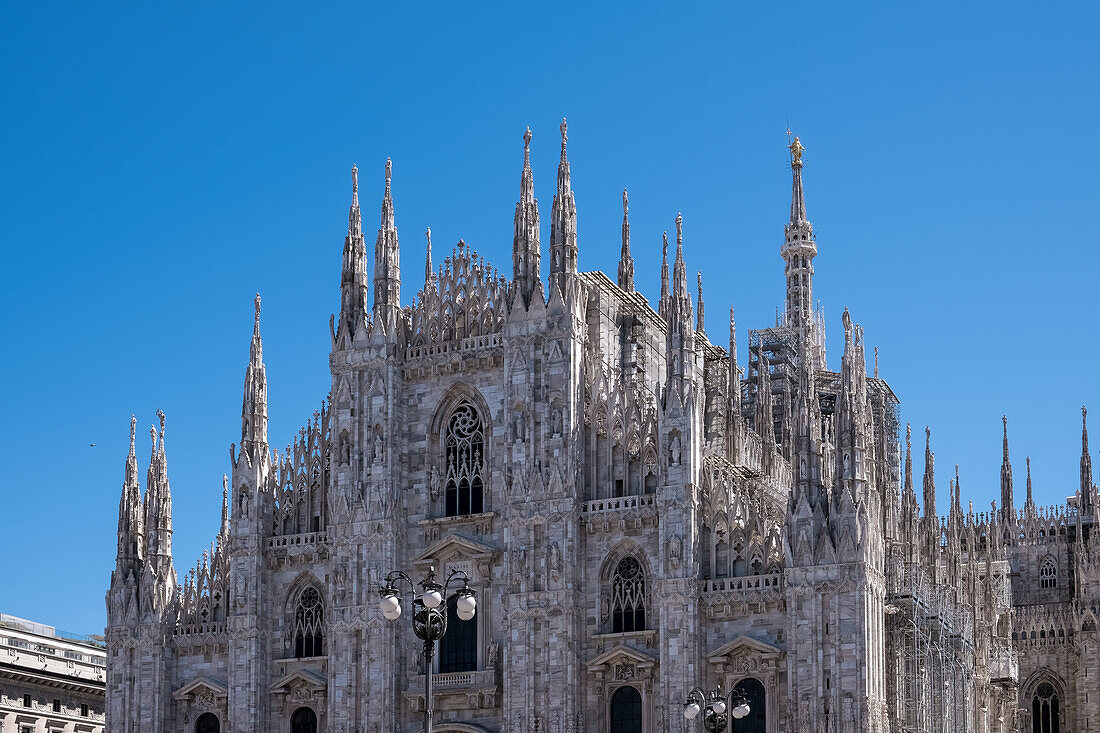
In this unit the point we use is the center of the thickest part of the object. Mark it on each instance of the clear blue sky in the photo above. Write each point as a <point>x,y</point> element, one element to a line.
<point>161,166</point>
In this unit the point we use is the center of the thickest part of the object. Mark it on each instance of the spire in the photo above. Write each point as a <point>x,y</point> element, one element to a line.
<point>626,262</point>
<point>225,507</point>
<point>353,274</point>
<point>131,541</point>
<point>734,386</point>
<point>956,505</point>
<point>908,488</point>
<point>563,224</point>
<point>1086,466</point>
<point>929,477</point>
<point>158,509</point>
<point>799,249</point>
<point>1030,501</point>
<point>1006,475</point>
<point>525,241</point>
<point>428,260</point>
<point>679,271</point>
<point>699,307</point>
<point>662,304</point>
<point>254,405</point>
<point>387,264</point>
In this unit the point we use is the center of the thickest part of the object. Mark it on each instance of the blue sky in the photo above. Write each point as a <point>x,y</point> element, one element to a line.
<point>163,165</point>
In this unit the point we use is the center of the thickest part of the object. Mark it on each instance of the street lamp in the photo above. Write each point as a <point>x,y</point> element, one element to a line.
<point>714,707</point>
<point>429,615</point>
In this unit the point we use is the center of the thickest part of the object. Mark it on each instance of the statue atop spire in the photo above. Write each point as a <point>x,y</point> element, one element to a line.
<point>796,149</point>
<point>699,307</point>
<point>798,250</point>
<point>662,304</point>
<point>1006,476</point>
<point>254,404</point>
<point>428,260</point>
<point>526,252</point>
<point>1086,465</point>
<point>563,225</point>
<point>626,262</point>
<point>353,272</point>
<point>387,265</point>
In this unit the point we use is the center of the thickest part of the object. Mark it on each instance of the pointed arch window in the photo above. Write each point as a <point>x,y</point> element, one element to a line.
<point>1044,710</point>
<point>628,597</point>
<point>1048,574</point>
<point>464,459</point>
<point>309,622</point>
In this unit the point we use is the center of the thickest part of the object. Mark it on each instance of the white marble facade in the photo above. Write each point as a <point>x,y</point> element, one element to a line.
<point>638,512</point>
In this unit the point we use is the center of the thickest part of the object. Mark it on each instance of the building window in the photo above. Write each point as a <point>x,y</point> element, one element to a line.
<point>628,597</point>
<point>464,457</point>
<point>1048,574</point>
<point>626,711</point>
<point>309,620</point>
<point>208,723</point>
<point>26,701</point>
<point>458,647</point>
<point>1044,710</point>
<point>56,705</point>
<point>304,720</point>
<point>84,709</point>
<point>756,720</point>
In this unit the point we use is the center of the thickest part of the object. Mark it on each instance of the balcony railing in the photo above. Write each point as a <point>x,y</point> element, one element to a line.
<point>296,540</point>
<point>743,583</point>
<point>618,503</point>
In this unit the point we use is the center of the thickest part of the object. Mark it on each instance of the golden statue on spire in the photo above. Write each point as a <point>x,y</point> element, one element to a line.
<point>796,151</point>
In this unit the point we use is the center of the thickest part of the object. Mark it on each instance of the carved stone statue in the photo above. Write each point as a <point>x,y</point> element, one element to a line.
<point>434,484</point>
<point>674,451</point>
<point>378,447</point>
<point>554,560</point>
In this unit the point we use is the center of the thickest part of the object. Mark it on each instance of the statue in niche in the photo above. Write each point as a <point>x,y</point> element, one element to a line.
<point>675,551</point>
<point>378,446</point>
<point>240,588</point>
<point>802,467</point>
<point>434,484</point>
<point>556,420</point>
<point>494,653</point>
<point>847,465</point>
<point>519,423</point>
<point>345,449</point>
<point>244,503</point>
<point>674,451</point>
<point>554,561</point>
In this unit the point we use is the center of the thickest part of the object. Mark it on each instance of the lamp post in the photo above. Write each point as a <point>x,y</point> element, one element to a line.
<point>717,707</point>
<point>429,615</point>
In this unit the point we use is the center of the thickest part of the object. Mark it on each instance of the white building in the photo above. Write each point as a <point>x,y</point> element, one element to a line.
<point>639,514</point>
<point>49,683</point>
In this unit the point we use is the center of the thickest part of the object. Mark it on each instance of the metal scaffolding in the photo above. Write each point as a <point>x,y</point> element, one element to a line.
<point>931,654</point>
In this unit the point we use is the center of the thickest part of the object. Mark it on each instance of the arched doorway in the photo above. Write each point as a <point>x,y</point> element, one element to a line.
<point>756,721</point>
<point>1044,710</point>
<point>626,711</point>
<point>208,723</point>
<point>304,720</point>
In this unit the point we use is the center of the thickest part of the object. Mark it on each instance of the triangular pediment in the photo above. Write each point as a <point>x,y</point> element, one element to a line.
<point>743,646</point>
<point>301,678</point>
<point>623,654</point>
<point>197,685</point>
<point>454,547</point>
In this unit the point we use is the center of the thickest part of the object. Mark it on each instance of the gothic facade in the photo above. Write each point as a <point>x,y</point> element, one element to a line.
<point>638,512</point>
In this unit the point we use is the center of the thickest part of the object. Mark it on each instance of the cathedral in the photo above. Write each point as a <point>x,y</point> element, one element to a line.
<point>637,512</point>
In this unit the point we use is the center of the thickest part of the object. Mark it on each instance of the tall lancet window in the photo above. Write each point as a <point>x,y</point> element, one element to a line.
<point>1048,574</point>
<point>464,447</point>
<point>628,597</point>
<point>1044,710</point>
<point>309,623</point>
